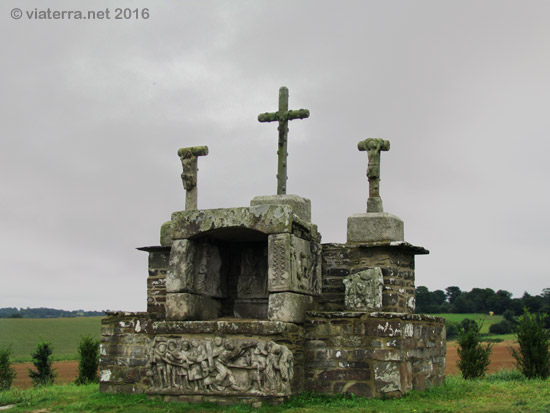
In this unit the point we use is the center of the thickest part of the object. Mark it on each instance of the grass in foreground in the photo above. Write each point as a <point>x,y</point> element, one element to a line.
<point>64,333</point>
<point>504,391</point>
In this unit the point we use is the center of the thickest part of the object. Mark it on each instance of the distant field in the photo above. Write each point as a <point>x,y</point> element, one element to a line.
<point>64,333</point>
<point>487,321</point>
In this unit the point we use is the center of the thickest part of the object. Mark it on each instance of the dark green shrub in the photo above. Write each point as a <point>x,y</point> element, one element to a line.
<point>7,372</point>
<point>88,350</point>
<point>504,327</point>
<point>451,328</point>
<point>44,375</point>
<point>473,356</point>
<point>533,356</point>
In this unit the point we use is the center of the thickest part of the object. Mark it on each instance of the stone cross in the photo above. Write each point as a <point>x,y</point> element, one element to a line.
<point>283,115</point>
<point>188,158</point>
<point>373,148</point>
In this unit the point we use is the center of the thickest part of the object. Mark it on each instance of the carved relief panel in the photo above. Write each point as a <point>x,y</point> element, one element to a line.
<point>219,365</point>
<point>252,281</point>
<point>364,290</point>
<point>194,267</point>
<point>294,264</point>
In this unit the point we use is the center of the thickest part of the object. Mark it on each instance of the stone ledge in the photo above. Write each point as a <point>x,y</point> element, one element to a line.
<point>378,314</point>
<point>223,325</point>
<point>401,245</point>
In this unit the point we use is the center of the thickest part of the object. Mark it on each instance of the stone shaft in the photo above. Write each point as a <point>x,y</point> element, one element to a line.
<point>283,115</point>
<point>373,147</point>
<point>188,158</point>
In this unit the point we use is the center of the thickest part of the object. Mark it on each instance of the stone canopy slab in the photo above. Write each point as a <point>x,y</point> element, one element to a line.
<point>268,219</point>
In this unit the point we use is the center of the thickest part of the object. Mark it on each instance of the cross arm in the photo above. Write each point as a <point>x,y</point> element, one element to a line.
<point>193,151</point>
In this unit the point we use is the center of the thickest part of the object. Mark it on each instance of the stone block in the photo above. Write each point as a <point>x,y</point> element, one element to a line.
<point>269,219</point>
<point>375,227</point>
<point>184,306</point>
<point>294,265</point>
<point>250,308</point>
<point>364,290</point>
<point>166,234</point>
<point>289,307</point>
<point>301,207</point>
<point>182,266</point>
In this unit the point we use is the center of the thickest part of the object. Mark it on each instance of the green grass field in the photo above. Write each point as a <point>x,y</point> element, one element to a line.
<point>486,321</point>
<point>23,334</point>
<point>502,392</point>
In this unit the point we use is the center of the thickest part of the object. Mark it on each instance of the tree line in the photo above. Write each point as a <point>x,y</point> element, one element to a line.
<point>13,312</point>
<point>479,300</point>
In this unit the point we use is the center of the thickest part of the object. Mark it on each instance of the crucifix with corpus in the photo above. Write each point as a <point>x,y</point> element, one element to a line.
<point>283,115</point>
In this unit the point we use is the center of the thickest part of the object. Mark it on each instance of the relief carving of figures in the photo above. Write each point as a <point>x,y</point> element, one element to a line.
<point>253,278</point>
<point>220,365</point>
<point>207,279</point>
<point>364,290</point>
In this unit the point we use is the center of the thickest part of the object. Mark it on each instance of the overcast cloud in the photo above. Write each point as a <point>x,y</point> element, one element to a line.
<point>93,113</point>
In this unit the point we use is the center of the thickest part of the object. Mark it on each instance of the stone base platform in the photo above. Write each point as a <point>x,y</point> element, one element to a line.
<point>373,354</point>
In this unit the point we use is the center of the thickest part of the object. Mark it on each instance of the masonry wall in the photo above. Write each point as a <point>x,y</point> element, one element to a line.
<point>397,264</point>
<point>373,354</point>
<point>156,281</point>
<point>127,345</point>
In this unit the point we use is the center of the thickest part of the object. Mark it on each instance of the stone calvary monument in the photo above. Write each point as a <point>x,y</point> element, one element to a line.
<point>246,304</point>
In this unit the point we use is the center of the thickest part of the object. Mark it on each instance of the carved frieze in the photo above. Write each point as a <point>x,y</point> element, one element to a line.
<point>187,365</point>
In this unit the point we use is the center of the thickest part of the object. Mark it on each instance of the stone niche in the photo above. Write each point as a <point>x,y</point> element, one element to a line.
<point>262,262</point>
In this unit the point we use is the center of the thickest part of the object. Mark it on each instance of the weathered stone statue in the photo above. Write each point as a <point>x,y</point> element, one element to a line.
<point>283,115</point>
<point>188,158</point>
<point>373,147</point>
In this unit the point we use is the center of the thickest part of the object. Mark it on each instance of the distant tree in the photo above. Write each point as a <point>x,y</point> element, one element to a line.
<point>451,328</point>
<point>509,316</point>
<point>533,303</point>
<point>7,372</point>
<point>16,315</point>
<point>500,302</point>
<point>463,305</point>
<point>452,293</point>
<point>438,297</point>
<point>533,356</point>
<point>473,359</point>
<point>42,360</point>
<point>88,350</point>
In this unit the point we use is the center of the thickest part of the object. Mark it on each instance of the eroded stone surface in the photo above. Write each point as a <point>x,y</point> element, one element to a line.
<point>301,207</point>
<point>364,290</point>
<point>269,219</point>
<point>294,265</point>
<point>289,307</point>
<point>185,306</point>
<point>375,227</point>
<point>219,365</point>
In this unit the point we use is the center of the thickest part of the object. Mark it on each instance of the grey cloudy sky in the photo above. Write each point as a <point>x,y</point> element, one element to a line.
<point>93,112</point>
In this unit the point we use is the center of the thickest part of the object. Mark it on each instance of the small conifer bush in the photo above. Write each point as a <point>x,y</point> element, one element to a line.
<point>533,356</point>
<point>88,350</point>
<point>44,375</point>
<point>473,359</point>
<point>7,372</point>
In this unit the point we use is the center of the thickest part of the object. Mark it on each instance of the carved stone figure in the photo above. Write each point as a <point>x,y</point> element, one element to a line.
<point>220,365</point>
<point>364,290</point>
<point>283,115</point>
<point>188,158</point>
<point>373,147</point>
<point>252,281</point>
